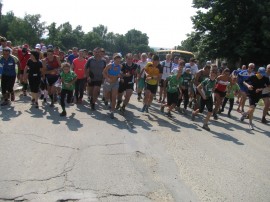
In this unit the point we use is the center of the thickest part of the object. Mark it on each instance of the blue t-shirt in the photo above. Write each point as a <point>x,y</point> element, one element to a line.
<point>71,57</point>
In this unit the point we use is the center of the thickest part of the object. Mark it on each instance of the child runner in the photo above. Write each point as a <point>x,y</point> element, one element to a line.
<point>68,79</point>
<point>232,90</point>
<point>206,89</point>
<point>185,87</point>
<point>173,82</point>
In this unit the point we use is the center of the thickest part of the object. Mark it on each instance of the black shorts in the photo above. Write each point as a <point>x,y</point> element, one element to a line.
<point>208,103</point>
<point>151,88</point>
<point>162,82</point>
<point>266,95</point>
<point>34,84</point>
<point>221,94</point>
<point>52,80</point>
<point>172,98</point>
<point>94,83</point>
<point>125,86</point>
<point>254,99</point>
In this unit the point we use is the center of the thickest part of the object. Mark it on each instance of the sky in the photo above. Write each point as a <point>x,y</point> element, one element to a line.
<point>166,23</point>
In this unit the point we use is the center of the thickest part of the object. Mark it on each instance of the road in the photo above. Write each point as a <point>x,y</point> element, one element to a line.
<point>136,157</point>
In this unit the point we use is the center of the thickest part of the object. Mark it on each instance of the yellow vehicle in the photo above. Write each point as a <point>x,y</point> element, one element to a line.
<point>185,55</point>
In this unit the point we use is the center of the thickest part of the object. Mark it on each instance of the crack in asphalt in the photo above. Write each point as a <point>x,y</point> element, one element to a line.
<point>54,145</point>
<point>122,195</point>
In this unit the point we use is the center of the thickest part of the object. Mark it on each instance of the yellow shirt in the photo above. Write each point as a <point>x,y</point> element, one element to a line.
<point>152,71</point>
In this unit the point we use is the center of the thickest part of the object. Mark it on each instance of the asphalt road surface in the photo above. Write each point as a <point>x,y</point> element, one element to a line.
<point>87,156</point>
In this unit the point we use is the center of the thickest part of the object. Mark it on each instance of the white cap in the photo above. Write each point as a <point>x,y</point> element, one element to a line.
<point>38,46</point>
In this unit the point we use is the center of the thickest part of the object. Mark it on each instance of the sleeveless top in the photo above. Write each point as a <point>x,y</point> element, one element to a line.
<point>51,65</point>
<point>114,70</point>
<point>222,85</point>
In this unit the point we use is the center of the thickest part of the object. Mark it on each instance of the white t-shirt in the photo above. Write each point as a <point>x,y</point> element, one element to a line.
<point>167,68</point>
<point>141,65</point>
<point>194,69</point>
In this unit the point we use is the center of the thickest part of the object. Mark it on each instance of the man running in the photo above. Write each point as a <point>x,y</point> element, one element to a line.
<point>93,70</point>
<point>126,84</point>
<point>255,85</point>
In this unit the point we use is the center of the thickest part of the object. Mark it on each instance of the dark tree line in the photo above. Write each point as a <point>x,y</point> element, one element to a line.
<point>235,30</point>
<point>32,31</point>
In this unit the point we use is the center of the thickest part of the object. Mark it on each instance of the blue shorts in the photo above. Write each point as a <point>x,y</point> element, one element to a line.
<point>243,88</point>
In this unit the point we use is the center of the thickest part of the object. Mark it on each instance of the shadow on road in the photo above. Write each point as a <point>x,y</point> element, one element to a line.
<point>8,113</point>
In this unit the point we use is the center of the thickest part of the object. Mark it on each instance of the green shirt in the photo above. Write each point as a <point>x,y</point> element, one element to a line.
<point>186,80</point>
<point>173,83</point>
<point>208,86</point>
<point>67,78</point>
<point>231,89</point>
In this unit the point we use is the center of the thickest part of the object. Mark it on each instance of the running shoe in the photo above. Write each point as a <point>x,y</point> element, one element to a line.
<point>112,115</point>
<point>63,113</point>
<point>162,109</point>
<point>12,98</point>
<point>122,109</point>
<point>146,109</point>
<point>206,127</point>
<point>215,116</point>
<point>143,109</point>
<point>4,103</point>
<point>193,117</point>
<point>251,127</point>
<point>169,114</point>
<point>264,120</point>
<point>93,106</point>
<point>243,117</point>
<point>229,115</point>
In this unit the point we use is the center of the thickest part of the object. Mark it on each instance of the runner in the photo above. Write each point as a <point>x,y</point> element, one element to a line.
<point>199,78</point>
<point>51,68</point>
<point>72,56</point>
<point>68,79</point>
<point>126,84</point>
<point>206,89</point>
<point>173,84</point>
<point>8,63</point>
<point>266,97</point>
<point>185,87</point>
<point>93,70</point>
<point>111,74</point>
<point>223,81</point>
<point>23,56</point>
<point>141,75</point>
<point>255,85</point>
<point>152,76</point>
<point>242,76</point>
<point>33,70</point>
<point>231,91</point>
<point>166,68</point>
<point>78,68</point>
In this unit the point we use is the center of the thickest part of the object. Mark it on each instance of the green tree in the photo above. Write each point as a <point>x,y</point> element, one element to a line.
<point>234,29</point>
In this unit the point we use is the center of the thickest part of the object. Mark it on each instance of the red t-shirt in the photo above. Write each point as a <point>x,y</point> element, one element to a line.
<point>23,58</point>
<point>79,67</point>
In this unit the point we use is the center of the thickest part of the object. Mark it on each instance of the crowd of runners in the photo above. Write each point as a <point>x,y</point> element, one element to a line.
<point>53,75</point>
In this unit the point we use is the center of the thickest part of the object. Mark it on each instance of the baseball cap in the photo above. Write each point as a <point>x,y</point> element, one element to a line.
<point>38,46</point>
<point>262,71</point>
<point>50,46</point>
<point>7,49</point>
